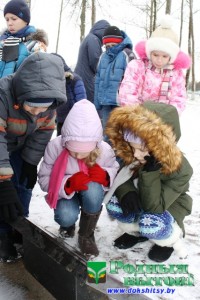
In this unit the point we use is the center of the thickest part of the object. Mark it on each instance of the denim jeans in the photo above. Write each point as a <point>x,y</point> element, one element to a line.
<point>23,193</point>
<point>67,210</point>
<point>105,112</point>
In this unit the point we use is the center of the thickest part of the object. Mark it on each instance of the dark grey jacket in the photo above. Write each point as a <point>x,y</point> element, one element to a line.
<point>88,57</point>
<point>41,75</point>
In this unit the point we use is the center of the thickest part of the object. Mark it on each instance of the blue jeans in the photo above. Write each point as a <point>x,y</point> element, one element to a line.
<point>105,112</point>
<point>23,193</point>
<point>67,210</point>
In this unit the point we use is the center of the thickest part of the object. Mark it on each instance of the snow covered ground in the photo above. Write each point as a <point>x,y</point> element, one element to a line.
<point>107,229</point>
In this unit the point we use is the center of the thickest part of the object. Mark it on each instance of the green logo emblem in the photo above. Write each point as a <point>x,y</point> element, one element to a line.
<point>96,272</point>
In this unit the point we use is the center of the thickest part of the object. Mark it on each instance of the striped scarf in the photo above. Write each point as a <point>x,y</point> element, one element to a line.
<point>10,50</point>
<point>9,45</point>
<point>165,87</point>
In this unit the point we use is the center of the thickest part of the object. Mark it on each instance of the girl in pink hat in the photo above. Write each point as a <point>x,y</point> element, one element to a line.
<point>78,167</point>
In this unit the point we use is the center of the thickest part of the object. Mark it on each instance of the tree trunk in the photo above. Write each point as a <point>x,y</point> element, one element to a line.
<point>168,7</point>
<point>59,23</point>
<point>29,3</point>
<point>83,16</point>
<point>181,25</point>
<point>191,49</point>
<point>93,13</point>
<point>153,16</point>
<point>192,46</point>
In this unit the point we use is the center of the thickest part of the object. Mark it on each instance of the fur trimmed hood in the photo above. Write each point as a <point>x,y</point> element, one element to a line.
<point>157,124</point>
<point>182,61</point>
<point>40,35</point>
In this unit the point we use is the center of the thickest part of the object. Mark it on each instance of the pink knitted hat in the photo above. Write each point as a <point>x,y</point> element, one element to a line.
<point>80,147</point>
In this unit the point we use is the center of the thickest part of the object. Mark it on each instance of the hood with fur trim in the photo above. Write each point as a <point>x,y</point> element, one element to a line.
<point>40,35</point>
<point>182,61</point>
<point>157,124</point>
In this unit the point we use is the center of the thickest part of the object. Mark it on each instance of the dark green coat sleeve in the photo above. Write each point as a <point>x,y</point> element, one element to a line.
<point>124,188</point>
<point>159,192</point>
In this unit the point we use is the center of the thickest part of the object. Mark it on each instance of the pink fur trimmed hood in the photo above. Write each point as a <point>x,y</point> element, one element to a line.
<point>182,61</point>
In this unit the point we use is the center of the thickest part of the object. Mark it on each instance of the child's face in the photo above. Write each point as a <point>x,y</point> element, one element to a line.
<point>109,45</point>
<point>139,152</point>
<point>79,155</point>
<point>14,24</point>
<point>34,111</point>
<point>159,59</point>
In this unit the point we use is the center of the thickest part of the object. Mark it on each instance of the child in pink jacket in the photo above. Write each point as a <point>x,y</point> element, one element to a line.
<point>78,167</point>
<point>158,74</point>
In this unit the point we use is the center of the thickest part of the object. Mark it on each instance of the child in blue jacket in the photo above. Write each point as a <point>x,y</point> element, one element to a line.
<point>110,70</point>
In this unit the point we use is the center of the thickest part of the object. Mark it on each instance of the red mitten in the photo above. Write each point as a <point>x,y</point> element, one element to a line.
<point>97,174</point>
<point>77,182</point>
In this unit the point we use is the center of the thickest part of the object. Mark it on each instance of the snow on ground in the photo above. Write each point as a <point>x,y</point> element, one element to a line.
<point>9,291</point>
<point>107,229</point>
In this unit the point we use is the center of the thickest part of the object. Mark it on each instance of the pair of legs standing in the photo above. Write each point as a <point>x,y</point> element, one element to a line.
<point>7,234</point>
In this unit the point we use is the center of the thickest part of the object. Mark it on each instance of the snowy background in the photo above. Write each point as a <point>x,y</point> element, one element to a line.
<point>107,229</point>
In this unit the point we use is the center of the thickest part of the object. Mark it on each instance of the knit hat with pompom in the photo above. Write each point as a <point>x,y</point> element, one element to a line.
<point>164,39</point>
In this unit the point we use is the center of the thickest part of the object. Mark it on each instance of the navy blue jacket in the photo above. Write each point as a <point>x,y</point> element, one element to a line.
<point>75,91</point>
<point>89,52</point>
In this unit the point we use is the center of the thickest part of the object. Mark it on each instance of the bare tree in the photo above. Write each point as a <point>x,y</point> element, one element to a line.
<point>191,47</point>
<point>82,8</point>
<point>59,23</point>
<point>153,16</point>
<point>168,7</point>
<point>181,22</point>
<point>28,3</point>
<point>83,17</point>
<point>93,14</point>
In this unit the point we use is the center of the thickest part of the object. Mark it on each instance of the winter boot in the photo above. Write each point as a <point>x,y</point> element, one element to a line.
<point>17,240</point>
<point>160,254</point>
<point>17,237</point>
<point>67,232</point>
<point>8,252</point>
<point>126,241</point>
<point>86,238</point>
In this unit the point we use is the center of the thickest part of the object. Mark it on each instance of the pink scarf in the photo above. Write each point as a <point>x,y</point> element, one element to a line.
<point>57,174</point>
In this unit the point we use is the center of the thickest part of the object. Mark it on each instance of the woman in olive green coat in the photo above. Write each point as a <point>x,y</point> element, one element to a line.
<point>151,188</point>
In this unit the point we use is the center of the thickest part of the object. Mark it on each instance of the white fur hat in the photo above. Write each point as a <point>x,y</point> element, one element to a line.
<point>164,39</point>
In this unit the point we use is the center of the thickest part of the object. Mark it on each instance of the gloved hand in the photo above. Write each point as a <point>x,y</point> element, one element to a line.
<point>28,172</point>
<point>10,205</point>
<point>77,182</point>
<point>151,164</point>
<point>97,174</point>
<point>130,203</point>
